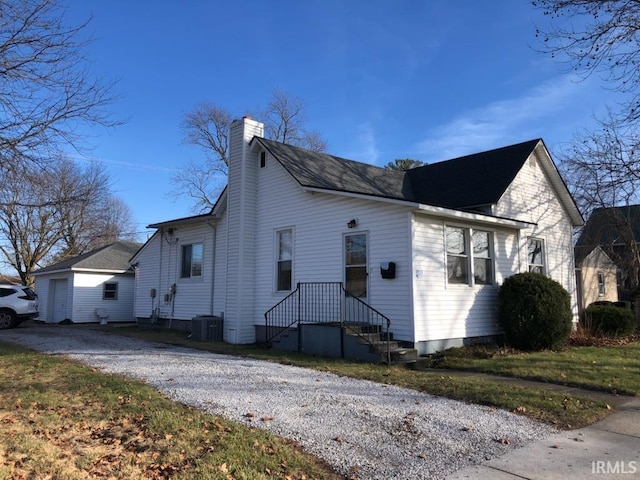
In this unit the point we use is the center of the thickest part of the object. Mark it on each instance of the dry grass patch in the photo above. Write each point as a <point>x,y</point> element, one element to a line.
<point>62,420</point>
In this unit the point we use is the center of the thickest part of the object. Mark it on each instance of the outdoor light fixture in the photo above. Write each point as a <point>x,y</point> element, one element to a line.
<point>352,223</point>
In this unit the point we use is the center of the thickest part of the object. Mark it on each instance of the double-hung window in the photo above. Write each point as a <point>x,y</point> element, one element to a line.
<point>482,261</point>
<point>110,291</point>
<point>535,249</point>
<point>469,256</point>
<point>284,261</point>
<point>601,286</point>
<point>191,265</point>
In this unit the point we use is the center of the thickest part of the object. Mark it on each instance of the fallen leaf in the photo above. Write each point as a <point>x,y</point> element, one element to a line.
<point>555,446</point>
<point>503,441</point>
<point>466,429</point>
<point>223,468</point>
<point>266,419</point>
<point>339,439</point>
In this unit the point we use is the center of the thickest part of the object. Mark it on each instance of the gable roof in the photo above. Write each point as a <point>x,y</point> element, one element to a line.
<point>328,172</point>
<point>463,183</point>
<point>113,258</point>
<point>608,227</point>
<point>472,180</point>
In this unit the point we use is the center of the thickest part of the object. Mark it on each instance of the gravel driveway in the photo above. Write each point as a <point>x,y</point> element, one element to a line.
<point>388,432</point>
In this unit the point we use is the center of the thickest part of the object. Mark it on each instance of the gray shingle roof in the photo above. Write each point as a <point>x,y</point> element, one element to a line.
<point>608,228</point>
<point>464,182</point>
<point>328,172</point>
<point>114,257</point>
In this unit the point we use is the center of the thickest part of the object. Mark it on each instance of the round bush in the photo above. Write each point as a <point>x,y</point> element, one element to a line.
<point>609,320</point>
<point>535,312</point>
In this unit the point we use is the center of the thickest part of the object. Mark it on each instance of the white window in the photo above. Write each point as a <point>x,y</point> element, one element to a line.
<point>284,260</point>
<point>110,291</point>
<point>535,248</point>
<point>601,287</point>
<point>469,256</point>
<point>191,259</point>
<point>457,255</point>
<point>482,261</point>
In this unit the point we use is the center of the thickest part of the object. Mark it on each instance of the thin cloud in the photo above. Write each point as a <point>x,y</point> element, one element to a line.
<point>129,165</point>
<point>367,139</point>
<point>505,121</point>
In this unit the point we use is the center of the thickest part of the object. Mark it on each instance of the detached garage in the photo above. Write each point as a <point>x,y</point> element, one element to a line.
<point>94,287</point>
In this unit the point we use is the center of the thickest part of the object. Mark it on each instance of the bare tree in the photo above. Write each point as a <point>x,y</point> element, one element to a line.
<point>285,119</point>
<point>53,213</point>
<point>29,223</point>
<point>404,164</point>
<point>95,217</point>
<point>597,36</point>
<point>207,126</point>
<point>602,168</point>
<point>46,90</point>
<point>602,165</point>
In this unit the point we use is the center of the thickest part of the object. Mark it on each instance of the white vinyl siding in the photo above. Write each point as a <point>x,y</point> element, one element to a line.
<point>447,311</point>
<point>159,267</point>
<point>88,294</point>
<point>531,198</point>
<point>320,223</point>
<point>148,260</point>
<point>84,293</point>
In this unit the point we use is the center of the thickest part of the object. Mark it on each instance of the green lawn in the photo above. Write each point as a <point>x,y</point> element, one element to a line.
<point>611,369</point>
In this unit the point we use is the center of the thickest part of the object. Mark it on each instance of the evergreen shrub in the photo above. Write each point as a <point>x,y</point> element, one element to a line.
<point>534,312</point>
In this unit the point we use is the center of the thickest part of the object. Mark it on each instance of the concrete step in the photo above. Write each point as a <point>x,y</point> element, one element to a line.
<point>404,355</point>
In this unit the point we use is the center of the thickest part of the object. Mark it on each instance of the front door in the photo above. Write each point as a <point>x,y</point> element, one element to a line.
<point>356,276</point>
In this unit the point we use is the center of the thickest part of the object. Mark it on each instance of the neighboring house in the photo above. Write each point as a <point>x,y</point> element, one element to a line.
<point>616,230</point>
<point>596,277</point>
<point>86,288</point>
<point>428,247</point>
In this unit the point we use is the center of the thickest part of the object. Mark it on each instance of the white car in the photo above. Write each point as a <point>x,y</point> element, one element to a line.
<point>17,304</point>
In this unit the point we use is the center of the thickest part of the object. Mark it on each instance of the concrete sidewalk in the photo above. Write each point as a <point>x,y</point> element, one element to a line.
<point>608,449</point>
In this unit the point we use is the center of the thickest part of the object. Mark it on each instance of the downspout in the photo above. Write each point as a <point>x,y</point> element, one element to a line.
<point>213,268</point>
<point>159,290</point>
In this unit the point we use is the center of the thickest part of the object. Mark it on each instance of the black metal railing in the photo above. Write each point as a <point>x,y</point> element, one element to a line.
<point>328,302</point>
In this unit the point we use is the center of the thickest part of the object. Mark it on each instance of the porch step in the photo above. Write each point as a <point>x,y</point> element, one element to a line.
<point>404,355</point>
<point>378,348</point>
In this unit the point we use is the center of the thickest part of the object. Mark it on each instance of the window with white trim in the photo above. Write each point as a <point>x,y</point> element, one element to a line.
<point>535,253</point>
<point>481,242</point>
<point>191,260</point>
<point>110,291</point>
<point>284,260</point>
<point>601,285</point>
<point>469,256</point>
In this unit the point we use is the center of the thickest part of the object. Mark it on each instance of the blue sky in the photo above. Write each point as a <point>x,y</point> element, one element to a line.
<point>381,80</point>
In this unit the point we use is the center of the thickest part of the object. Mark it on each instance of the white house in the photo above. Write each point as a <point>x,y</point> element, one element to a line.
<point>93,287</point>
<point>427,248</point>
